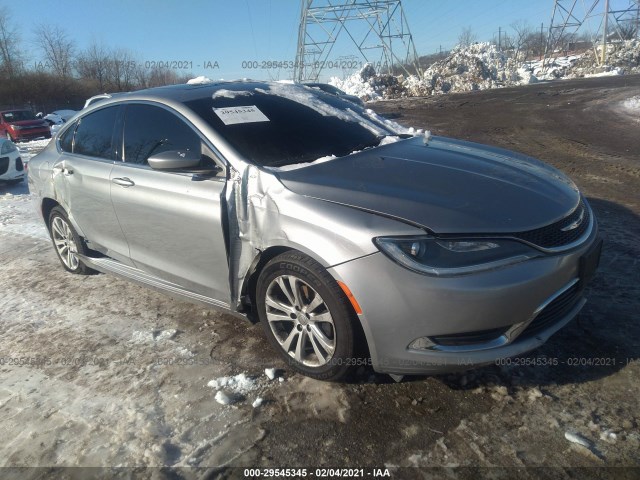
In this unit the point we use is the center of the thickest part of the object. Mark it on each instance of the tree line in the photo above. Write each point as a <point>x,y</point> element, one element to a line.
<point>64,76</point>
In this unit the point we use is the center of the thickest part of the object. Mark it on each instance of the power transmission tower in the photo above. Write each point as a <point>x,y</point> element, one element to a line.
<point>377,29</point>
<point>611,18</point>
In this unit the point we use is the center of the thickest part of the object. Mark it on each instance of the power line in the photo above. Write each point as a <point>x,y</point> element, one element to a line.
<point>384,35</point>
<point>569,17</point>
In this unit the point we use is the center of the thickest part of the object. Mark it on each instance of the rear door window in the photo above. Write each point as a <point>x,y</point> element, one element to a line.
<point>94,134</point>
<point>66,140</point>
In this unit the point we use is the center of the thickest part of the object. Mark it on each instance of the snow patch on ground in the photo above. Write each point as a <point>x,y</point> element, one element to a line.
<point>239,383</point>
<point>141,337</point>
<point>28,150</point>
<point>17,213</point>
<point>632,105</point>
<point>611,73</point>
<point>223,399</point>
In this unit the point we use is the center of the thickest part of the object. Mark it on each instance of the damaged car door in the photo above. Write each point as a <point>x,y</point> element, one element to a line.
<point>81,178</point>
<point>171,217</point>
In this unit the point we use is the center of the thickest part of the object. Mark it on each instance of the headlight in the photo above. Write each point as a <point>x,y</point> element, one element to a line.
<point>16,127</point>
<point>450,257</point>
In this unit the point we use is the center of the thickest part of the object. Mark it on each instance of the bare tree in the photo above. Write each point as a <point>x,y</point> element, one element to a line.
<point>466,37</point>
<point>57,48</point>
<point>158,77</point>
<point>93,64</point>
<point>122,69</point>
<point>141,76</point>
<point>10,53</point>
<point>522,32</point>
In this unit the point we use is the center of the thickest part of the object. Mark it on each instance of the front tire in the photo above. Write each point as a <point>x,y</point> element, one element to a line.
<point>67,243</point>
<point>306,316</point>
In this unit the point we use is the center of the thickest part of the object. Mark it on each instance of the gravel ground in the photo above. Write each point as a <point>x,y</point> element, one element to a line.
<point>102,373</point>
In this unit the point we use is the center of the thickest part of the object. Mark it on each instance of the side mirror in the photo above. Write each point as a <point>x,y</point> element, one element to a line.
<point>175,160</point>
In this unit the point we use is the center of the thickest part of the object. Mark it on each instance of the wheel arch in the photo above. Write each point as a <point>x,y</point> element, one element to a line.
<point>251,281</point>
<point>46,206</point>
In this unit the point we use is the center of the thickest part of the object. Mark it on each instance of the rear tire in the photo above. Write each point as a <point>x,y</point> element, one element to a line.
<point>306,317</point>
<point>67,243</point>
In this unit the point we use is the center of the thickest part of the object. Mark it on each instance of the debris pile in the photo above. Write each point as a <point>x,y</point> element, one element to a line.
<point>477,67</point>
<point>482,66</point>
<point>623,58</point>
<point>367,84</point>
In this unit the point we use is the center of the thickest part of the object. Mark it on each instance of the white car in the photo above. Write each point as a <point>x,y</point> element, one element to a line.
<point>11,166</point>
<point>58,117</point>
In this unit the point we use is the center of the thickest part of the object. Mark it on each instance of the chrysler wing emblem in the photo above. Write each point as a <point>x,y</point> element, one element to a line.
<point>575,224</point>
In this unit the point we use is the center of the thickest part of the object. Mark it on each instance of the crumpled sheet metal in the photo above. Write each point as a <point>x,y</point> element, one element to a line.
<point>253,216</point>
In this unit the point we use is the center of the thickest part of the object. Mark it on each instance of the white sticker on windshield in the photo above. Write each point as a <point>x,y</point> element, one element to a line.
<point>245,114</point>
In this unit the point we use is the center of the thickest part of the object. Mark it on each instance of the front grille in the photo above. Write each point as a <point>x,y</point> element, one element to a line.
<point>471,338</point>
<point>4,165</point>
<point>19,164</point>
<point>554,312</point>
<point>552,235</point>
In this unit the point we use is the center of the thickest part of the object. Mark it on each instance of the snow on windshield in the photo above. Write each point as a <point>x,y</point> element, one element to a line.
<point>385,141</point>
<point>311,100</point>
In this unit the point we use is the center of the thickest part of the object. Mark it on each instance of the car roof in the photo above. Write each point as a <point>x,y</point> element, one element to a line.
<point>186,92</point>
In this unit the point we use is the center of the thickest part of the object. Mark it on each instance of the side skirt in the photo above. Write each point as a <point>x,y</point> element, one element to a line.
<point>113,267</point>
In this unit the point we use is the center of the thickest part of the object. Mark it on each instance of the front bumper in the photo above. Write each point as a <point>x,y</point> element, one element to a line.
<point>11,169</point>
<point>12,177</point>
<point>419,324</point>
<point>30,134</point>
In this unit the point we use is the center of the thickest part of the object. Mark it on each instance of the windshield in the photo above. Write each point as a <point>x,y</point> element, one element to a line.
<point>273,125</point>
<point>18,116</point>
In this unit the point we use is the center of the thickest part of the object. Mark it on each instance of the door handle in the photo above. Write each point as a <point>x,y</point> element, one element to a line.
<point>123,181</point>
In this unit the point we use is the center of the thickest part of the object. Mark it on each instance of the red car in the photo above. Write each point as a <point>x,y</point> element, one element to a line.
<point>21,124</point>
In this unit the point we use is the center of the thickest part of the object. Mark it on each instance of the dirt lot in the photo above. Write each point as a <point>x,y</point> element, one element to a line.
<point>99,372</point>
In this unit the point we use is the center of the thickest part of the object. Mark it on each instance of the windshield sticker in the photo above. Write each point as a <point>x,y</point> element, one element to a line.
<point>245,114</point>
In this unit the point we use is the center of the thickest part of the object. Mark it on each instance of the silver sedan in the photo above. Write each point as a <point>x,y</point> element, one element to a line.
<point>351,239</point>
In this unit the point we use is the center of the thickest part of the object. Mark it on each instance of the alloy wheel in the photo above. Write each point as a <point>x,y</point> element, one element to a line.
<point>65,243</point>
<point>300,321</point>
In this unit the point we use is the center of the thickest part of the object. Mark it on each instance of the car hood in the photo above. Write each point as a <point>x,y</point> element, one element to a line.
<point>447,186</point>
